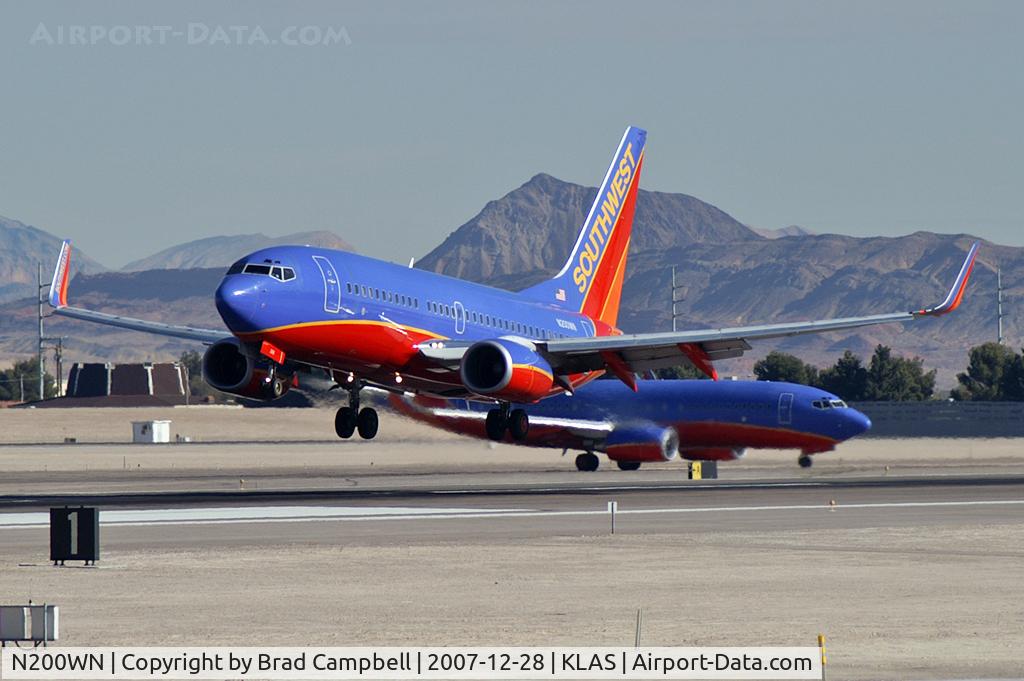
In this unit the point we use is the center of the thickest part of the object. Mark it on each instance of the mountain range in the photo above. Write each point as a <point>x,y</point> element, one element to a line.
<point>221,251</point>
<point>729,273</point>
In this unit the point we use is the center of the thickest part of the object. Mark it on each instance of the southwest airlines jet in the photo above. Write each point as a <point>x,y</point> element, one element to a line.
<point>697,420</point>
<point>370,322</point>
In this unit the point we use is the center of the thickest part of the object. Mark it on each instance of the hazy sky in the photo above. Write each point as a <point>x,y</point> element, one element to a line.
<point>860,117</point>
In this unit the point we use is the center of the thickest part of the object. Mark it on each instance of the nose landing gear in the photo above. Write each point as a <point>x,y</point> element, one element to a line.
<point>805,461</point>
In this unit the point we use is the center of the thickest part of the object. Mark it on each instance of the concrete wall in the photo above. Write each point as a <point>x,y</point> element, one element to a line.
<point>944,419</point>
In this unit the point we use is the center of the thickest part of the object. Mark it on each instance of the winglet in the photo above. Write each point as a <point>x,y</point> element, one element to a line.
<point>956,293</point>
<point>61,275</point>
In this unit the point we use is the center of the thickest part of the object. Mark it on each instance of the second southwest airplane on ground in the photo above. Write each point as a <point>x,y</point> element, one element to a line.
<point>699,420</point>
<point>371,322</point>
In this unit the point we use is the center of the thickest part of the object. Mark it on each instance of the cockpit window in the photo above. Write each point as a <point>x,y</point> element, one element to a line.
<point>838,404</point>
<point>828,404</point>
<point>237,267</point>
<point>276,271</point>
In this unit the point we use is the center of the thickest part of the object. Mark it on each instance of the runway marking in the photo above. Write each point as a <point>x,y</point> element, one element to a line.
<point>293,514</point>
<point>628,488</point>
<point>244,514</point>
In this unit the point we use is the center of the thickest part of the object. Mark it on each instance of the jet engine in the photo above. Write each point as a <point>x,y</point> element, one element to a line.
<point>506,369</point>
<point>642,442</point>
<point>228,368</point>
<point>714,454</point>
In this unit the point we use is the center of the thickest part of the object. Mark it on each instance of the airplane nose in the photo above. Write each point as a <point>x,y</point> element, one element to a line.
<point>858,422</point>
<point>238,302</point>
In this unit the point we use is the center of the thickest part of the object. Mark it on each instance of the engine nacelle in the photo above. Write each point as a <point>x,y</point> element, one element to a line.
<point>713,454</point>
<point>643,442</point>
<point>228,368</point>
<point>506,369</point>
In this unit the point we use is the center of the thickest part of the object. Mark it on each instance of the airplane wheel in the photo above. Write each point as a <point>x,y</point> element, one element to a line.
<point>628,465</point>
<point>496,425</point>
<point>519,425</point>
<point>272,389</point>
<point>587,462</point>
<point>367,423</point>
<point>345,422</point>
<point>805,461</point>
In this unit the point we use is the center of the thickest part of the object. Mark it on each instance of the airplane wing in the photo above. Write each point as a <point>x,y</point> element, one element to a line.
<point>59,303</point>
<point>632,353</point>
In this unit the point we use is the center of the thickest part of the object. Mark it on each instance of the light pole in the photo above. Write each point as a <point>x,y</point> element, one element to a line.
<point>999,305</point>
<point>42,360</point>
<point>675,299</point>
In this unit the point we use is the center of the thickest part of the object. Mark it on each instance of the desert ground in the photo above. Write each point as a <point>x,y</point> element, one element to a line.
<point>916,581</point>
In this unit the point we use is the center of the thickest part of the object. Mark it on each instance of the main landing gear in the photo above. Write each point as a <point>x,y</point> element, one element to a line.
<point>499,420</point>
<point>351,418</point>
<point>588,462</point>
<point>805,461</point>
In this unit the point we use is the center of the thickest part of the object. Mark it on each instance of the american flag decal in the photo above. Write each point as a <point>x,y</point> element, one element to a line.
<point>560,294</point>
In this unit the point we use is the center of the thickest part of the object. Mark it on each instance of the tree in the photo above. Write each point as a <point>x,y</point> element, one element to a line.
<point>1013,378</point>
<point>894,378</point>
<point>847,378</point>
<point>986,377</point>
<point>687,371</point>
<point>781,366</point>
<point>25,373</point>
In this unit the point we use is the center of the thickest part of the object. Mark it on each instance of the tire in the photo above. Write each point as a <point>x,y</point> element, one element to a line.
<point>587,462</point>
<point>805,461</point>
<point>628,465</point>
<point>345,422</point>
<point>496,425</point>
<point>518,425</point>
<point>367,423</point>
<point>271,390</point>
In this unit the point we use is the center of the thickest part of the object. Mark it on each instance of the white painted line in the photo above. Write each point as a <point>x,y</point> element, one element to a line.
<point>214,514</point>
<point>293,514</point>
<point>626,488</point>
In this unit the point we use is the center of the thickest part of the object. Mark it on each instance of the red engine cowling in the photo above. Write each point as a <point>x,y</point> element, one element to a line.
<point>713,454</point>
<point>228,368</point>
<point>646,442</point>
<point>506,369</point>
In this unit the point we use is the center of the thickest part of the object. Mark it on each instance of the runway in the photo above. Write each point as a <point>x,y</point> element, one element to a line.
<point>913,572</point>
<point>488,513</point>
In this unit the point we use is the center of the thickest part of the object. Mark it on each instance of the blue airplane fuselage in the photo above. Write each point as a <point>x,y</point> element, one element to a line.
<point>712,418</point>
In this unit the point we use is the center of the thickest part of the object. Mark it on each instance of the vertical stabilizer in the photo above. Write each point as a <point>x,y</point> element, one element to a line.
<point>591,280</point>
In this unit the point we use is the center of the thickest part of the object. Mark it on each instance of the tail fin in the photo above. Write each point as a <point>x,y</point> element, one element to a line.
<point>591,280</point>
<point>61,275</point>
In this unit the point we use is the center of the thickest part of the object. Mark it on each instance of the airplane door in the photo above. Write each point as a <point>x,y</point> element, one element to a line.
<point>785,409</point>
<point>332,288</point>
<point>460,317</point>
